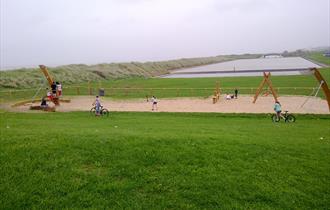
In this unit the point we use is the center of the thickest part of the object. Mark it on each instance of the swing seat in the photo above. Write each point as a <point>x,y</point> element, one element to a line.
<point>46,109</point>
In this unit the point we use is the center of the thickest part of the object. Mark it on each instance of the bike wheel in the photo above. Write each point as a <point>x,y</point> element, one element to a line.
<point>275,118</point>
<point>92,111</point>
<point>290,118</point>
<point>105,112</point>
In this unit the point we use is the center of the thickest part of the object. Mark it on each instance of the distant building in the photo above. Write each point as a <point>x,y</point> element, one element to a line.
<point>326,54</point>
<point>272,56</point>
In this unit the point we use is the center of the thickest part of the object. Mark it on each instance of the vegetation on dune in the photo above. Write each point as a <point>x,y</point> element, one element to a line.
<point>163,161</point>
<point>77,73</point>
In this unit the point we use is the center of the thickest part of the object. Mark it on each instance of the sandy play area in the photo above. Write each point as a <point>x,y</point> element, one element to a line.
<point>241,105</point>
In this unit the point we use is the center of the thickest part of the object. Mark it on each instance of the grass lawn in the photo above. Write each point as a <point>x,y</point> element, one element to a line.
<point>163,161</point>
<point>319,57</point>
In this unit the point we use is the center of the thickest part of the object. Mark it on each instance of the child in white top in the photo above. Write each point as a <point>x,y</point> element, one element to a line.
<point>59,89</point>
<point>154,103</point>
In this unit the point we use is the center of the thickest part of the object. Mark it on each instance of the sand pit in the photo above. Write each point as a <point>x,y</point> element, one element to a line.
<point>241,105</point>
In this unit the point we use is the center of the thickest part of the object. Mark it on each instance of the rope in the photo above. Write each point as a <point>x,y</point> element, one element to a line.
<point>32,100</point>
<point>317,91</point>
<point>321,83</point>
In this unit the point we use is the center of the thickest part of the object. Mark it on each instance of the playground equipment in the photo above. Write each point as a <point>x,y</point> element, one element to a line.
<point>47,109</point>
<point>313,94</point>
<point>216,94</point>
<point>322,84</point>
<point>54,99</point>
<point>267,81</point>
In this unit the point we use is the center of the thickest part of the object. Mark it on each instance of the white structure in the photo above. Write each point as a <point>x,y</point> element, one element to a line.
<point>248,67</point>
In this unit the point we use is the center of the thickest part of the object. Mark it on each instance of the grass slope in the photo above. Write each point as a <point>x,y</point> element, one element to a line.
<point>319,57</point>
<point>163,160</point>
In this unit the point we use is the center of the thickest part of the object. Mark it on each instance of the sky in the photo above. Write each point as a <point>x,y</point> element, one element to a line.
<point>59,32</point>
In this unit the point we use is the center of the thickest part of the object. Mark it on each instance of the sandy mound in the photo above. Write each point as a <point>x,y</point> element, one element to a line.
<point>241,105</point>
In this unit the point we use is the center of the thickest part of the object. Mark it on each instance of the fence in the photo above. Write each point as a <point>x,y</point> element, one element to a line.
<point>129,92</point>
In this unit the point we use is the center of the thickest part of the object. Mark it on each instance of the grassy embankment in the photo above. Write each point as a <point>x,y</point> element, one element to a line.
<point>78,73</point>
<point>319,57</point>
<point>163,161</point>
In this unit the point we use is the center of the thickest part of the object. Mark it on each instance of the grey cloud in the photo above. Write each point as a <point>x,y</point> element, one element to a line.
<point>56,32</point>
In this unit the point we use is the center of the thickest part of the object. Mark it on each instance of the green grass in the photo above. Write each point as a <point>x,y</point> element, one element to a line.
<point>163,161</point>
<point>319,57</point>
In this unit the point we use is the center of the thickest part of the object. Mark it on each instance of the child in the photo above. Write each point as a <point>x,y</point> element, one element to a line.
<point>154,103</point>
<point>49,95</point>
<point>43,103</point>
<point>278,108</point>
<point>97,105</point>
<point>59,89</point>
<point>53,86</point>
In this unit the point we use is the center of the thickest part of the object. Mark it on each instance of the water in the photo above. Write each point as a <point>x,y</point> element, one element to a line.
<point>248,67</point>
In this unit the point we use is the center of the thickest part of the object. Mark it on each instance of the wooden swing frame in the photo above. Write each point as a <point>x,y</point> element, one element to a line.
<point>316,73</point>
<point>265,81</point>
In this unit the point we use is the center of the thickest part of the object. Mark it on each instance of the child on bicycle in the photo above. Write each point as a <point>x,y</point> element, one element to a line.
<point>97,105</point>
<point>278,109</point>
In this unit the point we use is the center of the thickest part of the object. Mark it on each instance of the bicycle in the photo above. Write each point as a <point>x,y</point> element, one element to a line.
<point>286,117</point>
<point>103,111</point>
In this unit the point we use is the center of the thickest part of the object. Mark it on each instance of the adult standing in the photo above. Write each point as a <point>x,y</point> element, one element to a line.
<point>53,86</point>
<point>236,93</point>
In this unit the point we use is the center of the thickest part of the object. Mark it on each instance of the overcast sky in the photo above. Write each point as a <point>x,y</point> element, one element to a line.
<point>56,32</point>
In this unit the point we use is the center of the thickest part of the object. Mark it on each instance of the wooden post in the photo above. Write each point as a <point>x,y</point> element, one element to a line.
<point>216,93</point>
<point>323,84</point>
<point>260,88</point>
<point>270,85</point>
<point>46,73</point>
<point>89,88</point>
<point>78,91</point>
